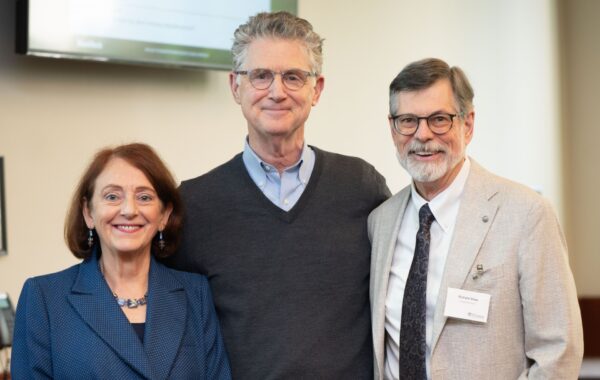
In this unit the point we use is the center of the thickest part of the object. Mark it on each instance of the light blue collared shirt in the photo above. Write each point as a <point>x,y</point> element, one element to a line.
<point>283,190</point>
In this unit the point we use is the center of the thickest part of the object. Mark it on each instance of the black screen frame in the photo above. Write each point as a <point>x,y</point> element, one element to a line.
<point>3,239</point>
<point>218,59</point>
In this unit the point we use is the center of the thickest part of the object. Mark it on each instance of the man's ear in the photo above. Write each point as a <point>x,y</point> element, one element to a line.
<point>319,85</point>
<point>469,126</point>
<point>391,123</point>
<point>234,86</point>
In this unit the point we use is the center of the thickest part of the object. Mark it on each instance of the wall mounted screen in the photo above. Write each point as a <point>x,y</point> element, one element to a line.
<point>178,33</point>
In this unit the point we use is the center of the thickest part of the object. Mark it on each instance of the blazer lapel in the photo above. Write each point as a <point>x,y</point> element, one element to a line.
<point>93,301</point>
<point>386,235</point>
<point>478,208</point>
<point>166,319</point>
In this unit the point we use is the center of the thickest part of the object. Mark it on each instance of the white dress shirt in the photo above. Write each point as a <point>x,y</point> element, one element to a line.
<point>445,209</point>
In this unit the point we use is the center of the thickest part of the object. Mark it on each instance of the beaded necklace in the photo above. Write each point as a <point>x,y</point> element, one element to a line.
<point>131,303</point>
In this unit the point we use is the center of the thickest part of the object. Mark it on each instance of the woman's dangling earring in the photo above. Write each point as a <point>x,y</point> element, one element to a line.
<point>161,241</point>
<point>90,238</point>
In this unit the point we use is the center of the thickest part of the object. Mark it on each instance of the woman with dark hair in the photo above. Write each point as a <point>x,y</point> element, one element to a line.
<point>120,313</point>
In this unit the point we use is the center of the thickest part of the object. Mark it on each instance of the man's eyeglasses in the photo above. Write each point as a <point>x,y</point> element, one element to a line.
<point>407,123</point>
<point>261,79</point>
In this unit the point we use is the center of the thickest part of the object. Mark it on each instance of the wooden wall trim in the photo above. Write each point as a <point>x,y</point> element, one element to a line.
<point>590,315</point>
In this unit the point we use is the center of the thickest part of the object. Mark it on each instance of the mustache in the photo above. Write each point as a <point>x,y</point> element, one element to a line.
<point>417,146</point>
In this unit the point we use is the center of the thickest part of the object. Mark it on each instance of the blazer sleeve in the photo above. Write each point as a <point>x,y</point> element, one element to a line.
<point>217,363</point>
<point>371,225</point>
<point>31,351</point>
<point>551,316</point>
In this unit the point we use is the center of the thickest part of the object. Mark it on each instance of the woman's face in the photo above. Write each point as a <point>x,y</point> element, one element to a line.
<point>125,210</point>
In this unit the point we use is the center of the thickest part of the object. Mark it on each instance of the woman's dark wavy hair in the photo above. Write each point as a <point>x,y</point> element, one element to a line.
<point>144,158</point>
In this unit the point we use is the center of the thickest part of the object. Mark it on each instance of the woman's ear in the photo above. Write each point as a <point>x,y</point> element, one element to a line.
<point>165,218</point>
<point>87,215</point>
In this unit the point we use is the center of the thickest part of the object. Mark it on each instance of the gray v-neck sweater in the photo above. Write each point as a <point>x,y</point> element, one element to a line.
<point>291,288</point>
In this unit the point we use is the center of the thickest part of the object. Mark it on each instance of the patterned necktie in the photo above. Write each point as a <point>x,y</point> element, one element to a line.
<point>412,326</point>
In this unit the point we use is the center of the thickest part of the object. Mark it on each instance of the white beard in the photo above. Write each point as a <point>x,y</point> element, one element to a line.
<point>429,172</point>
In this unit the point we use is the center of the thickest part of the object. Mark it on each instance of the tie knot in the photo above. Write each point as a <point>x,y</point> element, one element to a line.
<point>425,216</point>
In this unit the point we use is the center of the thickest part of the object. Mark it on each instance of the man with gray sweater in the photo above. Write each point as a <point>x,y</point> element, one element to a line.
<point>280,229</point>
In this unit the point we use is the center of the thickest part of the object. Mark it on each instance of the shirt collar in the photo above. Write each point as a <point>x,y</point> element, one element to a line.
<point>442,203</point>
<point>258,169</point>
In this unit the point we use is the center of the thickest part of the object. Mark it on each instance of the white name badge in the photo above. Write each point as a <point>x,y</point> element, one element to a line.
<point>467,305</point>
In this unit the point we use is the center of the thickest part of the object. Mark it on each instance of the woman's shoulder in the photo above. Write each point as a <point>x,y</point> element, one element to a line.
<point>65,276</point>
<point>50,287</point>
<point>188,279</point>
<point>195,286</point>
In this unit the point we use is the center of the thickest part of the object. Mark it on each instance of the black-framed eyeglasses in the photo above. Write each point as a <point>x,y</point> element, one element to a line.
<point>407,124</point>
<point>261,79</point>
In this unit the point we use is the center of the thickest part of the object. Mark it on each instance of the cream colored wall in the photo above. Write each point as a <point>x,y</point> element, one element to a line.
<point>581,134</point>
<point>55,114</point>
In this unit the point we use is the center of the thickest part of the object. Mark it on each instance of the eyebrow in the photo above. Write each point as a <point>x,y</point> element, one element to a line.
<point>137,189</point>
<point>431,114</point>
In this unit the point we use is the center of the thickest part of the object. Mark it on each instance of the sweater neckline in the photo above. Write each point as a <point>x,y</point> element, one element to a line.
<point>292,214</point>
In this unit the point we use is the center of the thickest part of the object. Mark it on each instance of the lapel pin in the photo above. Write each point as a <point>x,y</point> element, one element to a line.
<point>479,272</point>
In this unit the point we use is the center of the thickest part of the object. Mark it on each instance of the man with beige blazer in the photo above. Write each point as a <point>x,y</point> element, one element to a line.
<point>470,276</point>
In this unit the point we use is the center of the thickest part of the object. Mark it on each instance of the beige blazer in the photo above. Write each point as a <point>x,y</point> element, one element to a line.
<point>534,324</point>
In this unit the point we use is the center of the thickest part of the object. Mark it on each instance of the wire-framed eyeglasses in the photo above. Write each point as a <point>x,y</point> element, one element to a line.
<point>261,79</point>
<point>407,124</point>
